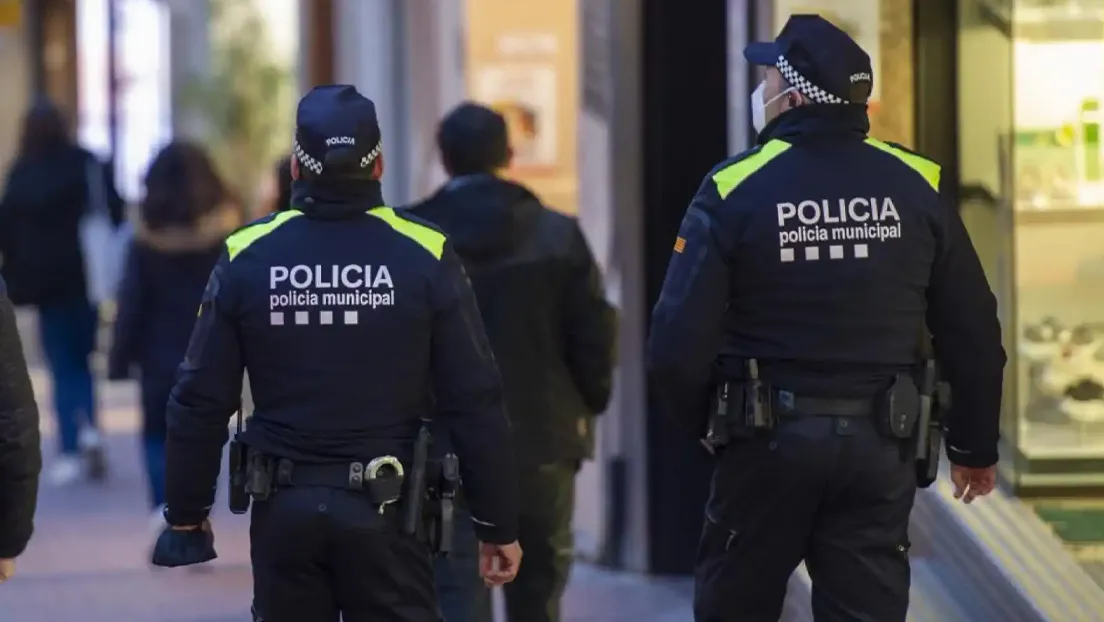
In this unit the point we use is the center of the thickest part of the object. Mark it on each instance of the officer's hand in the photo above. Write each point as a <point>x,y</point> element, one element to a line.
<point>184,546</point>
<point>971,483</point>
<point>499,563</point>
<point>7,569</point>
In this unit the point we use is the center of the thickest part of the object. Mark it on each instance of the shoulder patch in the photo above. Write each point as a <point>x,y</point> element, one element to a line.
<point>244,237</point>
<point>421,232</point>
<point>930,171</point>
<point>732,175</point>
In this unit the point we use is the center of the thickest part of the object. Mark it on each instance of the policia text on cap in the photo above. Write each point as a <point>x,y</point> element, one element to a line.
<point>791,344</point>
<point>346,508</point>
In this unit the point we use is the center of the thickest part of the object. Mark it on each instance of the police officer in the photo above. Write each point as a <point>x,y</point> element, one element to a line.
<point>803,272</point>
<point>355,323</point>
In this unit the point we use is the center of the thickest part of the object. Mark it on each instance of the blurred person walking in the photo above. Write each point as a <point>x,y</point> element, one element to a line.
<point>53,190</point>
<point>541,296</point>
<point>178,236</point>
<point>20,451</point>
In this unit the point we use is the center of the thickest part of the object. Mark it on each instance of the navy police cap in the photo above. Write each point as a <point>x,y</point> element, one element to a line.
<point>337,133</point>
<point>818,59</point>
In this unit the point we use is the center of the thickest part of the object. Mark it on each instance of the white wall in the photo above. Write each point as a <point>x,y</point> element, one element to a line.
<point>739,137</point>
<point>368,38</point>
<point>190,49</point>
<point>984,96</point>
<point>436,81</point>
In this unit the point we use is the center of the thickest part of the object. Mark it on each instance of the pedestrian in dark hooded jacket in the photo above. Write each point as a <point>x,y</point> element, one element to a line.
<point>46,197</point>
<point>178,237</point>
<point>552,333</point>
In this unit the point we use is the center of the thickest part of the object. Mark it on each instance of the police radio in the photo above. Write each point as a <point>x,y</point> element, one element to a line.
<point>238,498</point>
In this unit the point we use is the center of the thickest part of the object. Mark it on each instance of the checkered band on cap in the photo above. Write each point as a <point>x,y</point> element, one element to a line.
<point>371,156</point>
<point>306,159</point>
<point>315,166</point>
<point>806,88</point>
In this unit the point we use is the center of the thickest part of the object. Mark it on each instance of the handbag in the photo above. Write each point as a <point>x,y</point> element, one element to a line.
<point>101,246</point>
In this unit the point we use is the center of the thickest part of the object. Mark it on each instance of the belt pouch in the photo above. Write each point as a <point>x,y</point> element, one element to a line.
<point>737,416</point>
<point>759,406</point>
<point>899,408</point>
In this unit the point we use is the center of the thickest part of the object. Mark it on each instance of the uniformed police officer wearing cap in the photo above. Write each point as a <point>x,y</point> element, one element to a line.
<point>355,323</point>
<point>811,262</point>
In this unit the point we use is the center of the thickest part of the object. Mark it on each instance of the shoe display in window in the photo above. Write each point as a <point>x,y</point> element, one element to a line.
<point>1041,342</point>
<point>1080,358</point>
<point>1084,402</point>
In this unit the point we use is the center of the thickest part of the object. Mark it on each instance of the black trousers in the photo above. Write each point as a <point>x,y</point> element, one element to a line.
<point>321,554</point>
<point>548,541</point>
<point>830,491</point>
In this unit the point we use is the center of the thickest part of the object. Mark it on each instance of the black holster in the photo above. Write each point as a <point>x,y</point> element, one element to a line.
<point>413,517</point>
<point>741,410</point>
<point>934,400</point>
<point>238,473</point>
<point>447,487</point>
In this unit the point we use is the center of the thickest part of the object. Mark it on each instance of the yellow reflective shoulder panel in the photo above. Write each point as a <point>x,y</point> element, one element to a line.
<point>242,238</point>
<point>429,239</point>
<point>734,174</point>
<point>929,170</point>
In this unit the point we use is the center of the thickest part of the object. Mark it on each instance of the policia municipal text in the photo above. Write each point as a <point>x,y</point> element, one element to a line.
<point>798,357</point>
<point>347,508</point>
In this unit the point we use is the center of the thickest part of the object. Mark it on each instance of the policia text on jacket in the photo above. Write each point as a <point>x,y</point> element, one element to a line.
<point>322,290</point>
<point>854,219</point>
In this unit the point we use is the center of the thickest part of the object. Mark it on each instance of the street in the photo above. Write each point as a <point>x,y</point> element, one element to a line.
<point>88,559</point>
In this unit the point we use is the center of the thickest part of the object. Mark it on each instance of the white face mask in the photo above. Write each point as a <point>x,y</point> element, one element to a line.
<point>759,107</point>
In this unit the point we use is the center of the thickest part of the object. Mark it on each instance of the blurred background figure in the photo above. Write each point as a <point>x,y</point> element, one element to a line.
<point>178,237</point>
<point>276,196</point>
<point>283,186</point>
<point>54,189</point>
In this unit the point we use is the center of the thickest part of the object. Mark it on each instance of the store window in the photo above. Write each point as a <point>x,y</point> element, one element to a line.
<point>1057,198</point>
<point>1031,86</point>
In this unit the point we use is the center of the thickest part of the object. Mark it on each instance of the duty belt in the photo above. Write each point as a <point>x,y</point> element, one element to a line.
<point>788,404</point>
<point>381,479</point>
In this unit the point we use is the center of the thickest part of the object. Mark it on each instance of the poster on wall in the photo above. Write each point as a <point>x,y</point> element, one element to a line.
<point>525,94</point>
<point>859,18</point>
<point>522,58</point>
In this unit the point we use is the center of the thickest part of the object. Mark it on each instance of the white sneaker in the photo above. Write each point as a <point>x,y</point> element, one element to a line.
<point>157,521</point>
<point>156,526</point>
<point>65,470</point>
<point>89,438</point>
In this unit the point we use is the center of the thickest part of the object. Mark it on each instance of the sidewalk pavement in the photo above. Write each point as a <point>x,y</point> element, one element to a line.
<point>87,561</point>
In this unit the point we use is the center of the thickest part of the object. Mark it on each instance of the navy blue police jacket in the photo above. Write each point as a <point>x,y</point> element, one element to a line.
<point>354,322</point>
<point>822,252</point>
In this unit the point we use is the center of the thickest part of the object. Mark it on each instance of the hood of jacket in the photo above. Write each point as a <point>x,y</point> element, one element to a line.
<point>483,215</point>
<point>209,231</point>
